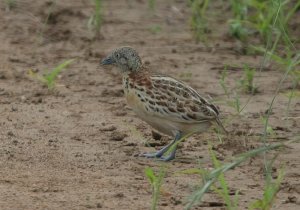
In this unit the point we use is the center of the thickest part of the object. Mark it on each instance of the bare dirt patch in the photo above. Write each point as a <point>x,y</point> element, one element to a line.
<point>77,148</point>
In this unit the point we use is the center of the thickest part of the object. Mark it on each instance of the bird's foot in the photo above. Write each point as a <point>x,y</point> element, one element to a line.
<point>166,159</point>
<point>159,156</point>
<point>151,155</point>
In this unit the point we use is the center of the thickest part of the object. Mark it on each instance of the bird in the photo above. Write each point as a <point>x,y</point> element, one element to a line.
<point>167,104</point>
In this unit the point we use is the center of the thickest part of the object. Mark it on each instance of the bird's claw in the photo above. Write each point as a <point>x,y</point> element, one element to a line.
<point>158,156</point>
<point>151,155</point>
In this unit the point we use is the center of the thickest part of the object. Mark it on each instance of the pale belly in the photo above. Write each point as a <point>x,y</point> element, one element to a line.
<point>161,124</point>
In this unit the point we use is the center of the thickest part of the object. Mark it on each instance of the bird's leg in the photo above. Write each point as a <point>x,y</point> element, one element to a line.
<point>162,151</point>
<point>171,156</point>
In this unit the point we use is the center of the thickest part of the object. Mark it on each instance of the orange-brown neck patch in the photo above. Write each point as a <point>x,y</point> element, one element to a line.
<point>140,79</point>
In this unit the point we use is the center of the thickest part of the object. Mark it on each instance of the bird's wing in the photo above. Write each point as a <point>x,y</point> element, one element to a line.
<point>167,97</point>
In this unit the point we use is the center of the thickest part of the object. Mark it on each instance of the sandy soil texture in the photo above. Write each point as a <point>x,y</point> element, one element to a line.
<point>77,147</point>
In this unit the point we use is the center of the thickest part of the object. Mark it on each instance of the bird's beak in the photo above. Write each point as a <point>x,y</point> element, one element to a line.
<point>107,61</point>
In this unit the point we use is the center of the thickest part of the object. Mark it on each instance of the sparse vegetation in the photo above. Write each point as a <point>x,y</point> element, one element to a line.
<point>96,18</point>
<point>247,82</point>
<point>236,25</point>
<point>156,182</point>
<point>49,78</point>
<point>235,103</point>
<point>222,81</point>
<point>152,4</point>
<point>73,141</point>
<point>215,175</point>
<point>290,60</point>
<point>272,187</point>
<point>186,76</point>
<point>155,29</point>
<point>10,4</point>
<point>269,128</point>
<point>198,19</point>
<point>223,190</point>
<point>41,32</point>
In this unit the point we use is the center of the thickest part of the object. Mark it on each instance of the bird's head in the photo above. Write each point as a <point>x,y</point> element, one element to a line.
<point>125,58</point>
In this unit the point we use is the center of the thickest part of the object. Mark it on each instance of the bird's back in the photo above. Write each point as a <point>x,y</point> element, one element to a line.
<point>164,99</point>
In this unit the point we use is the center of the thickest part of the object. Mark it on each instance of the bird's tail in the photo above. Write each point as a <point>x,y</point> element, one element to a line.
<point>221,125</point>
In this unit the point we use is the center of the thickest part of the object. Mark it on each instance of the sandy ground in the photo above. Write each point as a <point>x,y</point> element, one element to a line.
<point>77,147</point>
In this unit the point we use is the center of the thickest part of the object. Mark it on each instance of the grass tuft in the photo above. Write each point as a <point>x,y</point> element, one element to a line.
<point>247,82</point>
<point>198,19</point>
<point>156,182</point>
<point>155,29</point>
<point>49,79</point>
<point>236,25</point>
<point>96,19</point>
<point>10,4</point>
<point>214,175</point>
<point>224,191</point>
<point>271,189</point>
<point>152,4</point>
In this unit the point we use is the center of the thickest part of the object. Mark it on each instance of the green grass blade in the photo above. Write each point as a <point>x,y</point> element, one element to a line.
<point>150,175</point>
<point>156,182</point>
<point>224,192</point>
<point>50,77</point>
<point>214,174</point>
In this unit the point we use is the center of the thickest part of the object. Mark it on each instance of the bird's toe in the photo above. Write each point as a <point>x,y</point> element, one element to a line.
<point>151,155</point>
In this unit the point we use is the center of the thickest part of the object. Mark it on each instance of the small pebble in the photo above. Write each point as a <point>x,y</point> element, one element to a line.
<point>10,133</point>
<point>292,199</point>
<point>156,135</point>
<point>14,109</point>
<point>108,128</point>
<point>117,136</point>
<point>120,113</point>
<point>23,98</point>
<point>119,195</point>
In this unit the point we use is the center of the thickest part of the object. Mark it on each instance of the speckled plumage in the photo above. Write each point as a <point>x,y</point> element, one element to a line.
<point>168,105</point>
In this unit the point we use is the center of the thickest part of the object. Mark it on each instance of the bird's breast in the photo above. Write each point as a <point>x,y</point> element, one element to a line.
<point>132,99</point>
<point>131,96</point>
